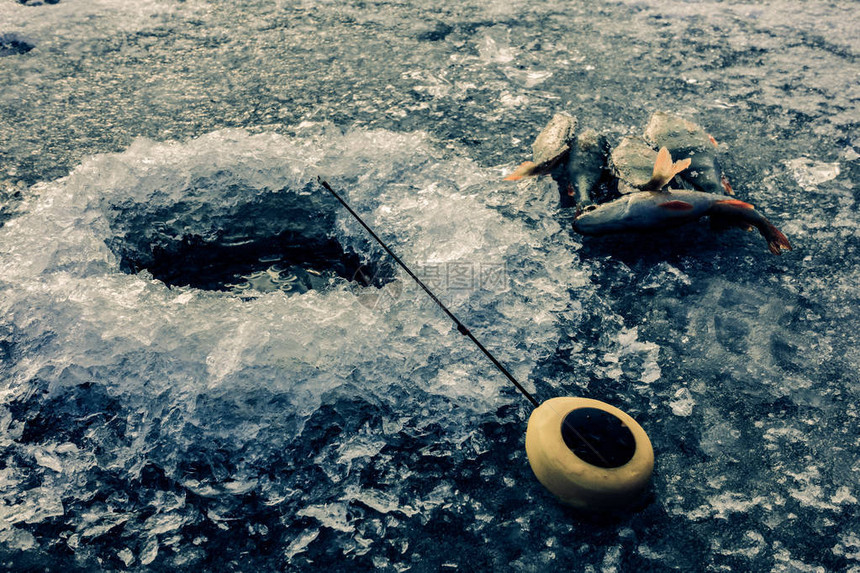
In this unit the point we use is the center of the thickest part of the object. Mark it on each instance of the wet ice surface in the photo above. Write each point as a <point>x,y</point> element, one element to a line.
<point>342,426</point>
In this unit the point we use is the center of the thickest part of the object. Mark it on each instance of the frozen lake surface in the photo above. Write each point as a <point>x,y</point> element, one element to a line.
<point>190,379</point>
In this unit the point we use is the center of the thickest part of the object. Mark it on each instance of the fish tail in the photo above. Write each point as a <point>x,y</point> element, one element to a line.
<point>776,241</point>
<point>527,169</point>
<point>740,213</point>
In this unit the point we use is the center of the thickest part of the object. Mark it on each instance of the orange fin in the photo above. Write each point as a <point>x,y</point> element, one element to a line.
<point>527,169</point>
<point>679,166</point>
<point>713,141</point>
<point>665,169</point>
<point>776,241</point>
<point>676,206</point>
<point>735,203</point>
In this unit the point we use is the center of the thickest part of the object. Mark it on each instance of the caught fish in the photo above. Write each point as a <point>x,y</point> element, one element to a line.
<point>576,162</point>
<point>656,208</point>
<point>648,191</point>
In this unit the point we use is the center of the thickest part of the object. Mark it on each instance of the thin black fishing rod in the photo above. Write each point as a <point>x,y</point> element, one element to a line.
<point>460,327</point>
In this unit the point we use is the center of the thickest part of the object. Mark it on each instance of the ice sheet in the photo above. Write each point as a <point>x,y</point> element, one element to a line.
<point>152,428</point>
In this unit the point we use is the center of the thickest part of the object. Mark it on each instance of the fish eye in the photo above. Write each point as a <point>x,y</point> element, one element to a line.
<point>589,208</point>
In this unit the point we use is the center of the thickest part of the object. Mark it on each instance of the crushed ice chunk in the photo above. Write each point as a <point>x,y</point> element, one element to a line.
<point>752,544</point>
<point>843,496</point>
<point>724,504</point>
<point>850,154</point>
<point>126,556</point>
<point>663,275</point>
<point>526,78</point>
<point>33,506</point>
<point>630,355</point>
<point>201,489</point>
<point>66,448</point>
<point>378,500</point>
<point>611,559</point>
<point>149,551</point>
<point>19,539</point>
<point>300,543</point>
<point>848,546</point>
<point>95,525</point>
<point>163,523</point>
<point>48,460</point>
<point>331,515</point>
<point>493,46</point>
<point>683,403</point>
<point>240,487</point>
<point>811,173</point>
<point>786,562</point>
<point>510,100</point>
<point>651,372</point>
<point>364,445</point>
<point>649,553</point>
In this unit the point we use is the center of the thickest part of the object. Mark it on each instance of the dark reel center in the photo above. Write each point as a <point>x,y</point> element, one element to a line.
<point>598,437</point>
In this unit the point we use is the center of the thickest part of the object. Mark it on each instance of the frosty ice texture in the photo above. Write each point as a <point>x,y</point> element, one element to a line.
<point>163,429</point>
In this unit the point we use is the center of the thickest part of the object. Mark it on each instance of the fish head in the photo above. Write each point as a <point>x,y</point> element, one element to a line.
<point>601,219</point>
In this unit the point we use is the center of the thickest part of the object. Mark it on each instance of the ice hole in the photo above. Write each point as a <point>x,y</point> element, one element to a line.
<point>267,241</point>
<point>286,262</point>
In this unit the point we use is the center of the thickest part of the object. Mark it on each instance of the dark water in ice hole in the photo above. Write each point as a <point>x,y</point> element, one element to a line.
<point>289,263</point>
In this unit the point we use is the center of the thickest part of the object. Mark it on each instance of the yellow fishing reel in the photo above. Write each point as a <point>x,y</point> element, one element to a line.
<point>590,455</point>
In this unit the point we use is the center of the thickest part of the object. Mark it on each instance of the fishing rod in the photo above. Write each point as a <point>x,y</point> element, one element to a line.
<point>461,328</point>
<point>589,454</point>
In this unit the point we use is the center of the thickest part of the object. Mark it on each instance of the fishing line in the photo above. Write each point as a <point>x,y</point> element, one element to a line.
<point>461,328</point>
